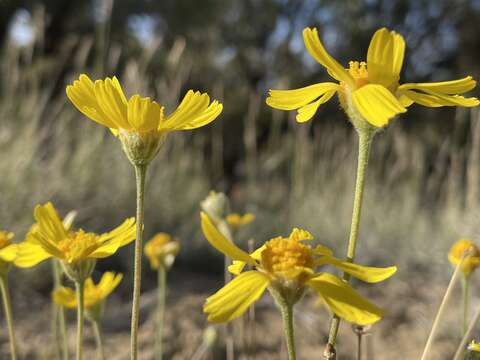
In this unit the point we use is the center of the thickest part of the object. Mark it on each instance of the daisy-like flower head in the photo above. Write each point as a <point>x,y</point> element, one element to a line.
<point>94,294</point>
<point>78,250</point>
<point>8,251</point>
<point>467,248</point>
<point>236,221</point>
<point>139,122</point>
<point>370,92</point>
<point>161,250</point>
<point>287,266</point>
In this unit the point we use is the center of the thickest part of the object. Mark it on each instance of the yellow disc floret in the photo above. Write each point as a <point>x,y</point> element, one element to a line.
<point>286,258</point>
<point>359,72</point>
<point>78,245</point>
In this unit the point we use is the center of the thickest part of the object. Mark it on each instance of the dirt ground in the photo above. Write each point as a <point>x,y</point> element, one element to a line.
<point>410,308</point>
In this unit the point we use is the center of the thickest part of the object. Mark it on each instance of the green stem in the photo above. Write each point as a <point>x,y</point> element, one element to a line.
<point>287,316</point>
<point>80,317</point>
<point>98,339</point>
<point>60,329</point>
<point>465,289</point>
<point>140,171</point>
<point>365,140</point>
<point>162,289</point>
<point>7,307</point>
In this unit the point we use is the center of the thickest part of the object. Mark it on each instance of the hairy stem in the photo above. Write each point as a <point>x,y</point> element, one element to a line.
<point>162,290</point>
<point>287,316</point>
<point>7,307</point>
<point>140,171</point>
<point>364,143</point>
<point>80,317</point>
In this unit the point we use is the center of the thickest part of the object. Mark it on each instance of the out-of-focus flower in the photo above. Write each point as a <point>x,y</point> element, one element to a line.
<point>287,266</point>
<point>77,250</point>
<point>467,248</point>
<point>8,251</point>
<point>216,205</point>
<point>139,122</point>
<point>369,92</point>
<point>236,221</point>
<point>94,294</point>
<point>474,346</point>
<point>161,250</point>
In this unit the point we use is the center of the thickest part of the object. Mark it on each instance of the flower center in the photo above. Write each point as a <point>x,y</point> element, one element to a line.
<point>78,245</point>
<point>359,72</point>
<point>286,257</point>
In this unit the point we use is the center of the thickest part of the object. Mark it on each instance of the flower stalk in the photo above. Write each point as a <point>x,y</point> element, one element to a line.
<point>59,318</point>
<point>465,286</point>
<point>162,290</point>
<point>79,285</point>
<point>97,332</point>
<point>286,309</point>
<point>140,172</point>
<point>365,136</point>
<point>7,306</point>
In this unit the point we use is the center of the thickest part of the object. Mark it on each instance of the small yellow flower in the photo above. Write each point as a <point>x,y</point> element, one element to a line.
<point>161,250</point>
<point>369,92</point>
<point>77,250</point>
<point>8,251</point>
<point>472,255</point>
<point>287,265</point>
<point>236,220</point>
<point>139,122</point>
<point>94,295</point>
<point>474,346</point>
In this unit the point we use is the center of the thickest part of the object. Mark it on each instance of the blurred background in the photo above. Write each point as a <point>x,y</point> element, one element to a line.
<point>423,184</point>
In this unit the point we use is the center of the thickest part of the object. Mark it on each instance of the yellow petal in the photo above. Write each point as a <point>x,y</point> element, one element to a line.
<point>300,235</point>
<point>219,242</point>
<point>294,99</point>
<point>233,299</point>
<point>385,57</point>
<point>65,297</point>
<point>306,112</point>
<point>30,254</point>
<point>108,283</point>
<point>113,240</point>
<point>9,253</point>
<point>111,100</point>
<point>434,99</point>
<point>144,114</point>
<point>318,52</point>
<point>193,112</point>
<point>322,250</point>
<point>364,273</point>
<point>451,87</point>
<point>238,266</point>
<point>376,104</point>
<point>82,95</point>
<point>344,301</point>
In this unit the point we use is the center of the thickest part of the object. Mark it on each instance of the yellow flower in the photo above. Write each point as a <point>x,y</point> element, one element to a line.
<point>8,251</point>
<point>236,220</point>
<point>474,346</point>
<point>161,250</point>
<point>94,295</point>
<point>77,250</point>
<point>369,91</point>
<point>472,255</point>
<point>139,122</point>
<point>287,265</point>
